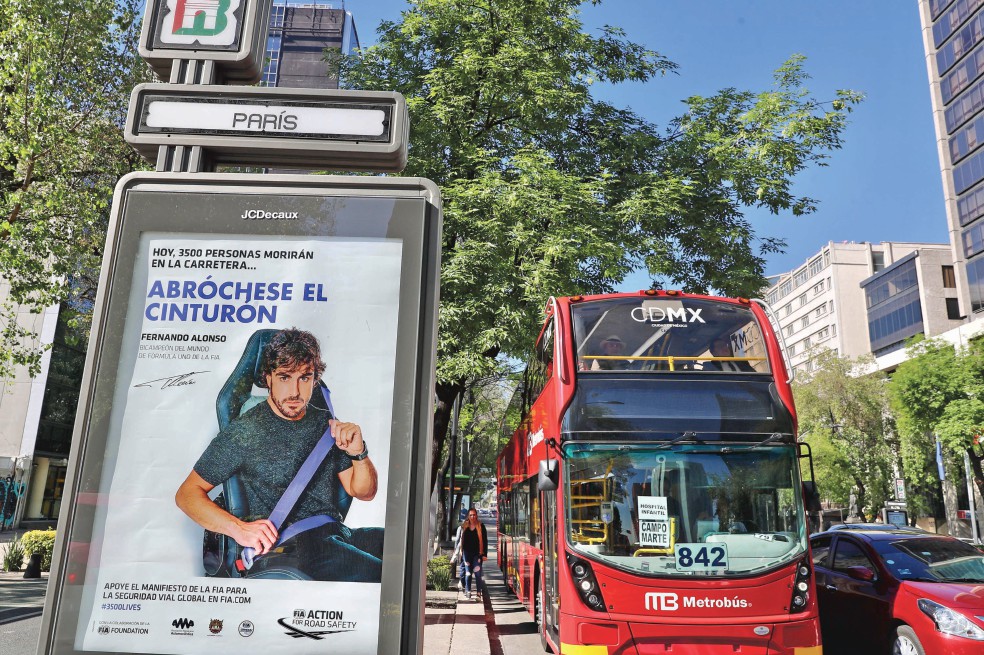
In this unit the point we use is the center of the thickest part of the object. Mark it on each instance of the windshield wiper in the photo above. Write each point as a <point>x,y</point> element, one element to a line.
<point>970,580</point>
<point>775,436</point>
<point>682,437</point>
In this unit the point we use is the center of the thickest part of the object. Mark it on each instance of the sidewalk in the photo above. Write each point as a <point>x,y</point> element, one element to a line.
<point>478,626</point>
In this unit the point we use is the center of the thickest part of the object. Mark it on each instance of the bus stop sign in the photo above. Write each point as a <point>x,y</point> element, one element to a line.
<point>316,128</point>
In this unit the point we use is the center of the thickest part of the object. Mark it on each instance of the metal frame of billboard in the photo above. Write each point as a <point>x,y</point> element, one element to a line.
<point>259,134</point>
<point>345,207</point>
<point>241,61</point>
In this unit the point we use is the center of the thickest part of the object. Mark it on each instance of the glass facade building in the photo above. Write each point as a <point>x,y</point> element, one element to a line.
<point>300,32</point>
<point>894,307</point>
<point>953,35</point>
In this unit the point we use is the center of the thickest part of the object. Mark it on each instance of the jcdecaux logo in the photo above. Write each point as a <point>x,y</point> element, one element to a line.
<point>207,22</point>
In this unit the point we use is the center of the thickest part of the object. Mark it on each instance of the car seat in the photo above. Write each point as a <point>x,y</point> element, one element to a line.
<point>237,396</point>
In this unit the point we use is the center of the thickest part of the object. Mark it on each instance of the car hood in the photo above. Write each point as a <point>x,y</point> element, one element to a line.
<point>951,594</point>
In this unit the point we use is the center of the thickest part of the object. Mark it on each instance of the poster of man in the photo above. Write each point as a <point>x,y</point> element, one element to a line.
<point>257,395</point>
<point>301,532</point>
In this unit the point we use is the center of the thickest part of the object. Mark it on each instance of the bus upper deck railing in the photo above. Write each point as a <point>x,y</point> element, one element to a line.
<point>672,360</point>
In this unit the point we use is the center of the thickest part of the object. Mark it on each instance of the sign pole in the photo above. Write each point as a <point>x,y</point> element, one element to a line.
<point>970,497</point>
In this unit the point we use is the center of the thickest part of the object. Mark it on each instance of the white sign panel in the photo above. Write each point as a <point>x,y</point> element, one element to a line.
<point>279,119</point>
<point>654,534</point>
<point>653,507</point>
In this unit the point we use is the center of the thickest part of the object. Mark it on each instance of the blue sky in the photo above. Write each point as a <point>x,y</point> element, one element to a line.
<point>883,185</point>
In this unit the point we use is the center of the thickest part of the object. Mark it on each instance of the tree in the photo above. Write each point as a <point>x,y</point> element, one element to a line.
<point>480,437</point>
<point>938,392</point>
<point>66,70</point>
<point>549,191</point>
<point>846,415</point>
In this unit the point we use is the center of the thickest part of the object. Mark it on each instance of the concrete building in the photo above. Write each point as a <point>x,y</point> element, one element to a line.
<point>21,401</point>
<point>859,298</point>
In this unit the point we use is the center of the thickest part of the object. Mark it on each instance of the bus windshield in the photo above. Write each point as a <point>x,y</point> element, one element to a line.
<point>686,509</point>
<point>667,334</point>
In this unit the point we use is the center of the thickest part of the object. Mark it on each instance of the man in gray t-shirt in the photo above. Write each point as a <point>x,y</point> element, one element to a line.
<point>265,447</point>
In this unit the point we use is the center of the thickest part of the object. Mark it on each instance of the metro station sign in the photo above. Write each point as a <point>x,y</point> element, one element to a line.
<point>319,128</point>
<point>232,33</point>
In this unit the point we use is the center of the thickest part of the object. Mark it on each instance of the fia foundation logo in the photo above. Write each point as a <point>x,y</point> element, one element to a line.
<point>205,22</point>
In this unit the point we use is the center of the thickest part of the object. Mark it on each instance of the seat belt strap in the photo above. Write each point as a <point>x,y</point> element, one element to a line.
<point>297,487</point>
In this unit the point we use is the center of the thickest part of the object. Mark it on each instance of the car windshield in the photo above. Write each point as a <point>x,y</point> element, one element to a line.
<point>685,509</point>
<point>668,334</point>
<point>933,559</point>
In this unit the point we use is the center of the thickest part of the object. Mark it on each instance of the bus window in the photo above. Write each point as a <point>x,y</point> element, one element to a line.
<point>667,334</point>
<point>632,505</point>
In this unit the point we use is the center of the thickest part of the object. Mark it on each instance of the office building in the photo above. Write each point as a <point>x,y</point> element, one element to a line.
<point>300,32</point>
<point>953,36</point>
<point>860,298</point>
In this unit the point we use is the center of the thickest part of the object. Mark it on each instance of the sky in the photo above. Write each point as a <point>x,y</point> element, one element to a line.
<point>884,184</point>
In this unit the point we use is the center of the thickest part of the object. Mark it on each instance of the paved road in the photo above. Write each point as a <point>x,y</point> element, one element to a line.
<point>20,637</point>
<point>21,602</point>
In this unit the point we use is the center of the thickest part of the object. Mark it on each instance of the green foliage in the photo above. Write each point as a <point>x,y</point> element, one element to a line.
<point>40,541</point>
<point>66,70</point>
<point>938,392</point>
<point>548,190</point>
<point>845,412</point>
<point>439,573</point>
<point>13,555</point>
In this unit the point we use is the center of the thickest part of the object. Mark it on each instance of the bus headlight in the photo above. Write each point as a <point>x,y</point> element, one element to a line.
<point>801,587</point>
<point>587,585</point>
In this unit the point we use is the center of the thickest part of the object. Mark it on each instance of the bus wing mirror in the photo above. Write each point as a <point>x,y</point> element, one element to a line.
<point>811,497</point>
<point>546,479</point>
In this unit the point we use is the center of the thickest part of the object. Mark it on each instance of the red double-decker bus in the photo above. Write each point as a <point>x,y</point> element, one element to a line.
<point>650,495</point>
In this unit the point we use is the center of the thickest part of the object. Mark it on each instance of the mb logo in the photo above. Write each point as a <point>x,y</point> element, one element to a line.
<point>207,22</point>
<point>666,602</point>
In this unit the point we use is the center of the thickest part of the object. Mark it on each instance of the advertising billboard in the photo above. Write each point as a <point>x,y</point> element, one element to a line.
<point>249,463</point>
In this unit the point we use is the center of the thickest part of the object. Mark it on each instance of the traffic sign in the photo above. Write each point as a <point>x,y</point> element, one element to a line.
<point>313,128</point>
<point>231,33</point>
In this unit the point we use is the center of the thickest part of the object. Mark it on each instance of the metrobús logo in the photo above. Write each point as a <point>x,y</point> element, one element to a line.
<point>182,626</point>
<point>205,22</point>
<point>314,624</point>
<point>534,440</point>
<point>670,602</point>
<point>667,315</point>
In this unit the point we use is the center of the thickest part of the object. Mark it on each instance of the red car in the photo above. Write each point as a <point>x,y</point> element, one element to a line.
<point>903,592</point>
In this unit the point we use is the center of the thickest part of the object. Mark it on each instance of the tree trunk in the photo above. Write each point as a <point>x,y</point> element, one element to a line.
<point>446,394</point>
<point>975,466</point>
<point>861,499</point>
